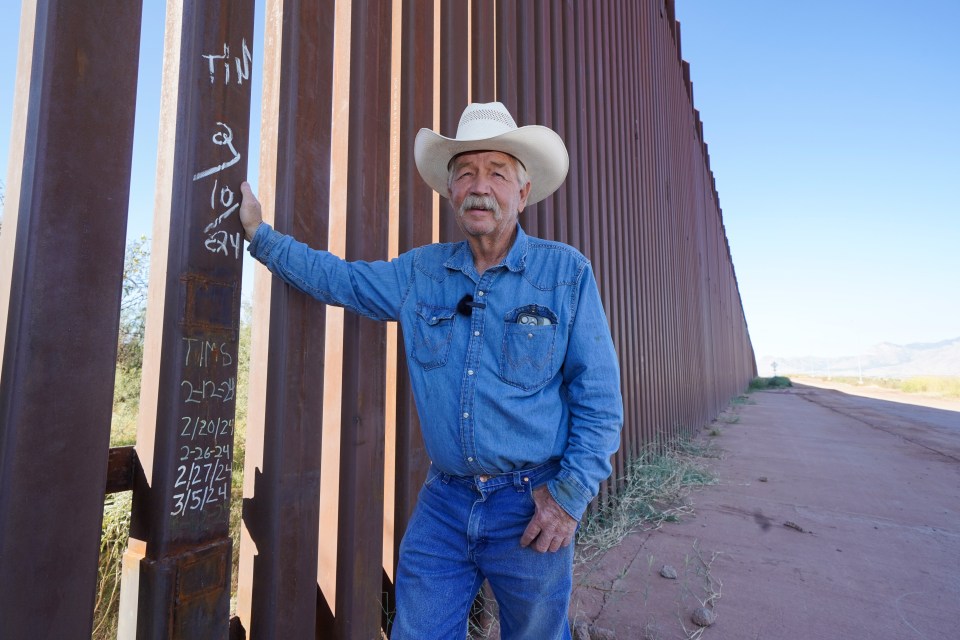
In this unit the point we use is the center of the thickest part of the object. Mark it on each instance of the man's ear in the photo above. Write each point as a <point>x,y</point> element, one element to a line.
<point>524,193</point>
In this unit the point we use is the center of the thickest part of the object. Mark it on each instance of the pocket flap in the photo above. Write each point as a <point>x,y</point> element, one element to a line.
<point>434,315</point>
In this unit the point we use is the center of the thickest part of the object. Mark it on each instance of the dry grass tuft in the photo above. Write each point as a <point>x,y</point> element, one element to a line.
<point>113,542</point>
<point>653,491</point>
<point>711,587</point>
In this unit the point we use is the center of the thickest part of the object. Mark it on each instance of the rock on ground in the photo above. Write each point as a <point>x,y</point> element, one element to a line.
<point>703,617</point>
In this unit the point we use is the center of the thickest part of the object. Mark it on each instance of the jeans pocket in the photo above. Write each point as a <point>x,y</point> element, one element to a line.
<point>433,335</point>
<point>528,353</point>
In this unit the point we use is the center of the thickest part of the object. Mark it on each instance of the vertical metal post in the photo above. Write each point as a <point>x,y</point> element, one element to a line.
<point>539,95</point>
<point>454,89</point>
<point>568,51</point>
<point>278,598</point>
<point>621,76</point>
<point>181,507</point>
<point>580,167</point>
<point>360,546</point>
<point>61,270</point>
<point>416,201</point>
<point>633,38</point>
<point>482,52</point>
<point>650,223</point>
<point>671,190</point>
<point>655,338</point>
<point>506,36</point>
<point>661,194</point>
<point>620,192</point>
<point>590,160</point>
<point>526,113</point>
<point>561,77</point>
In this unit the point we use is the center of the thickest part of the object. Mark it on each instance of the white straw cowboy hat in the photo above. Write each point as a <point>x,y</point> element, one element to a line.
<point>490,127</point>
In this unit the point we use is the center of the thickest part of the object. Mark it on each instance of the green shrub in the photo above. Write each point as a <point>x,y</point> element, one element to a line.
<point>939,386</point>
<point>936,385</point>
<point>776,382</point>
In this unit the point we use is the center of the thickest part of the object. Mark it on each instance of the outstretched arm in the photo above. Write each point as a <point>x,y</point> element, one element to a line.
<point>371,289</point>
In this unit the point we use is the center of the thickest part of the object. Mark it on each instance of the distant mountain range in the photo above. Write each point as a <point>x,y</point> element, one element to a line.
<point>885,360</point>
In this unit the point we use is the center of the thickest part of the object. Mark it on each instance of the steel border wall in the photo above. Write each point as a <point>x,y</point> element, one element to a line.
<point>333,436</point>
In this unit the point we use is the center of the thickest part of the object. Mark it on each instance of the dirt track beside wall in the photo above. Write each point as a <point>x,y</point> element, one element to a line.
<point>835,516</point>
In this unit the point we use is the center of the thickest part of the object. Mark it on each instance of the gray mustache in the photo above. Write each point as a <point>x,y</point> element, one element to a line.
<point>480,202</point>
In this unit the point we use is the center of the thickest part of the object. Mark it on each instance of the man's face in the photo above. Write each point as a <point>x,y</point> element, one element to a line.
<point>486,193</point>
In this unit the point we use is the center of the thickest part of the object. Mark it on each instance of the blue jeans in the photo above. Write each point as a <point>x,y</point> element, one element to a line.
<point>465,529</point>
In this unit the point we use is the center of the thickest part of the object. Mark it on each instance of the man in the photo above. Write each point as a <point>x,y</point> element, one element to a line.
<point>513,371</point>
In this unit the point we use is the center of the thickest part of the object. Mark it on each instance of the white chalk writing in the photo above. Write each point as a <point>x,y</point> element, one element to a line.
<point>206,428</point>
<point>204,435</point>
<point>222,241</point>
<point>241,63</point>
<point>196,427</point>
<point>202,483</point>
<point>204,353</point>
<point>204,453</point>
<point>224,139</point>
<point>223,391</point>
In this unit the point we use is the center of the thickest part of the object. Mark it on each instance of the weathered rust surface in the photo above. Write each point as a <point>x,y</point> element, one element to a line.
<point>454,88</point>
<point>282,514</point>
<point>640,201</point>
<point>121,467</point>
<point>181,595</point>
<point>416,203</point>
<point>64,234</point>
<point>482,51</point>
<point>181,505</point>
<point>359,529</point>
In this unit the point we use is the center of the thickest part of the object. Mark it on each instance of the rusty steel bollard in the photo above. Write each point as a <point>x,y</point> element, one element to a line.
<point>178,565</point>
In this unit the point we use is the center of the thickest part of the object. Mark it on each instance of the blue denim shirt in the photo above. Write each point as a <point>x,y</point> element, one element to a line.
<point>529,376</point>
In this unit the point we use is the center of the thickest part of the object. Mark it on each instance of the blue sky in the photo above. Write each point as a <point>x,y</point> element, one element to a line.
<point>140,220</point>
<point>834,139</point>
<point>147,105</point>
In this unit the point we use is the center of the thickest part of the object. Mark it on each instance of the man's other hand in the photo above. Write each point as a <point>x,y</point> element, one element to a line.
<point>551,527</point>
<point>250,213</point>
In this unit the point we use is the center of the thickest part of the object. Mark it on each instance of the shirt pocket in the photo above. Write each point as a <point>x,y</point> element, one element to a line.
<point>433,335</point>
<point>528,356</point>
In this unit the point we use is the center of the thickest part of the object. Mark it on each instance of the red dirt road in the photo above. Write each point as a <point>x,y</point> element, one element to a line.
<point>835,516</point>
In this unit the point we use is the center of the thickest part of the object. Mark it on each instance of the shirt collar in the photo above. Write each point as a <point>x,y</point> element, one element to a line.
<point>462,258</point>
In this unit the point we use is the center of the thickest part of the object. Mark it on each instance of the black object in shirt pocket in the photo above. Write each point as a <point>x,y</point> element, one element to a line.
<point>528,356</point>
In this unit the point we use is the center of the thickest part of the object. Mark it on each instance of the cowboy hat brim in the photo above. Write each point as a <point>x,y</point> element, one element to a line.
<point>539,148</point>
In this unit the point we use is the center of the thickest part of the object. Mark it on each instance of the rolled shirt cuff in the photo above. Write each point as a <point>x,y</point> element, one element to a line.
<point>572,496</point>
<point>260,246</point>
